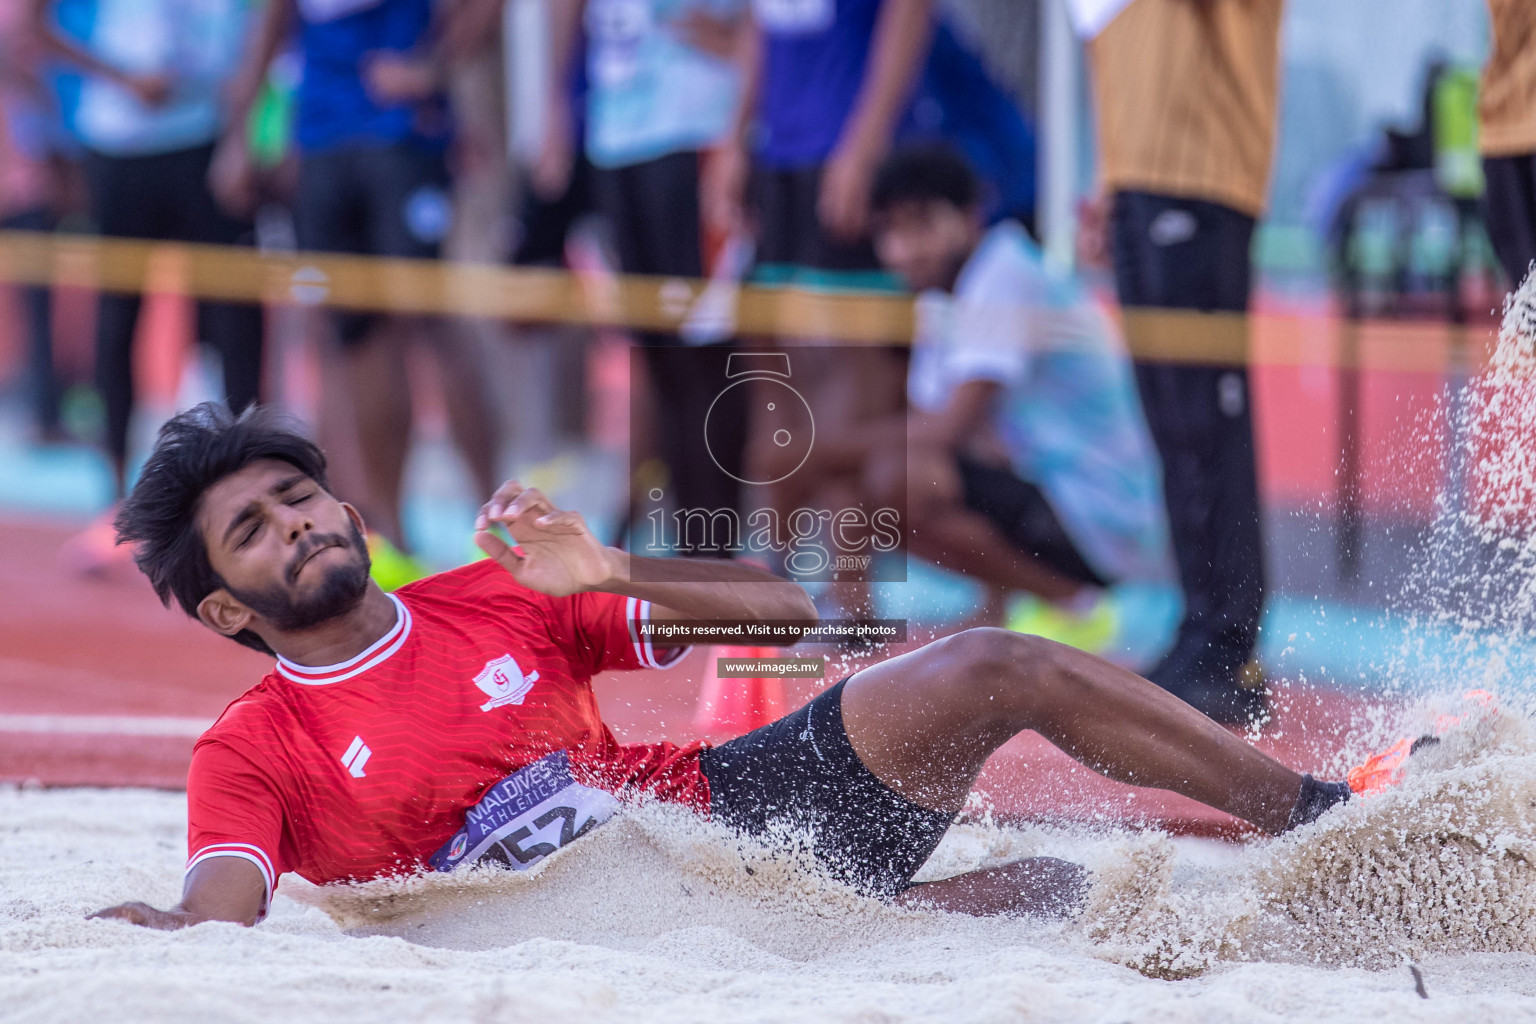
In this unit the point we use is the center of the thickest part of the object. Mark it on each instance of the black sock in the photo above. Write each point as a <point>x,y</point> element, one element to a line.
<point>1314,799</point>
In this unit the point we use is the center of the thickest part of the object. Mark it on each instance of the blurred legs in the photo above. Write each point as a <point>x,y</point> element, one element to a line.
<point>380,390</point>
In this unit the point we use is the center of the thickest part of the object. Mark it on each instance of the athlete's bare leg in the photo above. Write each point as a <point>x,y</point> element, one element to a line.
<point>924,723</point>
<point>380,393</point>
<point>471,419</point>
<point>943,530</point>
<point>969,543</point>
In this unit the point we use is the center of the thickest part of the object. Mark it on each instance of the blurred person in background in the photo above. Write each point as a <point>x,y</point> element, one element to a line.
<point>550,230</point>
<point>1187,94</point>
<point>372,128</point>
<point>1029,465</point>
<point>825,86</point>
<point>1507,135</point>
<point>150,112</point>
<point>556,176</point>
<point>960,105</point>
<point>661,90</point>
<point>30,138</point>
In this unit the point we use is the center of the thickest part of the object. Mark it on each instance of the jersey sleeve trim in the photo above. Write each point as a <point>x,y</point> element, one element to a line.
<point>637,612</point>
<point>255,854</point>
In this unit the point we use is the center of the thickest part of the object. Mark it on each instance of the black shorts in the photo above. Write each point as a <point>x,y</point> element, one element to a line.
<point>161,196</point>
<point>802,773</point>
<point>791,243</point>
<point>1509,207</point>
<point>652,208</point>
<point>373,200</point>
<point>1020,510</point>
<point>544,225</point>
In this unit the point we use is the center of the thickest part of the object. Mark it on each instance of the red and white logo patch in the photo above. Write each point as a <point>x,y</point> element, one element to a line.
<point>503,681</point>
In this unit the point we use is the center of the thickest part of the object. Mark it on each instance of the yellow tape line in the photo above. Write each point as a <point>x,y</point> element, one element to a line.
<point>491,291</point>
<point>436,287</point>
<point>1179,335</point>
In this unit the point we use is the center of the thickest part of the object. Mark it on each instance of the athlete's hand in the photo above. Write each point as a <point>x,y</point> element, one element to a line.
<point>1093,228</point>
<point>152,90</point>
<point>216,889</point>
<point>708,33</point>
<point>723,188</point>
<point>146,916</point>
<point>551,172</point>
<point>846,182</point>
<point>397,78</point>
<point>232,176</point>
<point>559,554</point>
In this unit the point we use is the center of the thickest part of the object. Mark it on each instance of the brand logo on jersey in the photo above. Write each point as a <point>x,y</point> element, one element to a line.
<point>356,756</point>
<point>503,681</point>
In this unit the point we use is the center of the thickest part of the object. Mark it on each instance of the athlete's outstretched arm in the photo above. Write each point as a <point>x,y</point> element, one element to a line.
<point>700,590</point>
<point>217,889</point>
<point>560,556</point>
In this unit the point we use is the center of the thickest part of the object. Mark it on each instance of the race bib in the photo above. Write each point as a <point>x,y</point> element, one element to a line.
<point>787,17</point>
<point>526,817</point>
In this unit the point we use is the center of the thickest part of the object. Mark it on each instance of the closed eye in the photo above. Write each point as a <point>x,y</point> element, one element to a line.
<point>249,535</point>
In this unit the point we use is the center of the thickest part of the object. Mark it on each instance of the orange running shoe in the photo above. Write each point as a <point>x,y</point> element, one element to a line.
<point>1384,770</point>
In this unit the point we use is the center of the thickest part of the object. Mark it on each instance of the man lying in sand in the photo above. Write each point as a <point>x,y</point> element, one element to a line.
<point>454,722</point>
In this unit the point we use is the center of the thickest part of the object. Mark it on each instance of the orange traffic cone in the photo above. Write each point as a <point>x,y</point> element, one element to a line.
<point>732,706</point>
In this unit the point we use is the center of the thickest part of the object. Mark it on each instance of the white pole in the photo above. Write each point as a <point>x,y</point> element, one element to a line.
<point>526,28</point>
<point>1056,214</point>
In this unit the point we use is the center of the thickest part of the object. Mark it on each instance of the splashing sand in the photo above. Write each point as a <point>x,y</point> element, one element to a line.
<point>1443,864</point>
<point>661,917</point>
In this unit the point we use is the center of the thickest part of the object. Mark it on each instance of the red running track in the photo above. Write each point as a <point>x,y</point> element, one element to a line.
<point>101,686</point>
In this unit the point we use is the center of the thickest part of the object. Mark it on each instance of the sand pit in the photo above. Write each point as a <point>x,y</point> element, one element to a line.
<point>655,917</point>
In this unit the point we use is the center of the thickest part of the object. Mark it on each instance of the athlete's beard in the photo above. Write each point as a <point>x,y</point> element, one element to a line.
<point>339,592</point>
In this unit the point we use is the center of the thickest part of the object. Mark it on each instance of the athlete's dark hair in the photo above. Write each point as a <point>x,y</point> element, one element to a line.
<point>923,174</point>
<point>195,450</point>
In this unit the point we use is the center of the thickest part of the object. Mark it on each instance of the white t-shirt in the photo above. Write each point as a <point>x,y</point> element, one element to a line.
<point>1068,416</point>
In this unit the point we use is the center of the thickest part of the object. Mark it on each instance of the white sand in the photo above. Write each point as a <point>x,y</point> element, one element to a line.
<point>656,918</point>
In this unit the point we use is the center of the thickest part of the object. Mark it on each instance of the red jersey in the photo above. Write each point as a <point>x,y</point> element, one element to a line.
<point>366,768</point>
